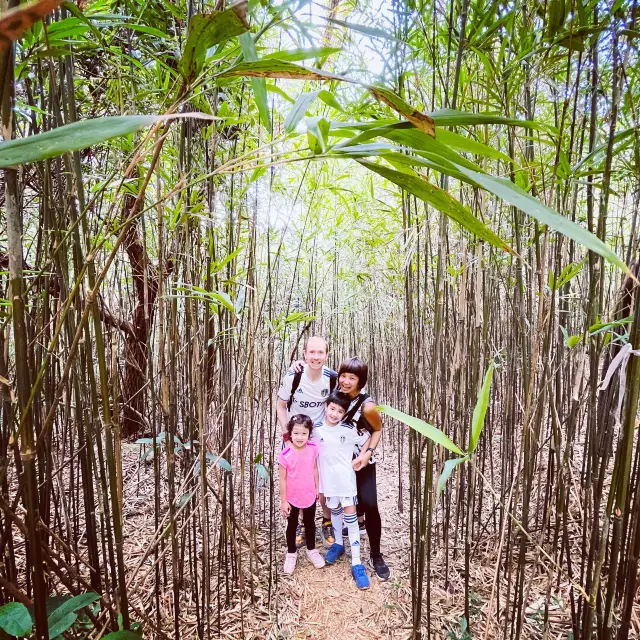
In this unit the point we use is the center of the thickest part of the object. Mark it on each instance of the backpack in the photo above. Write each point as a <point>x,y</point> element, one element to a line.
<point>333,379</point>
<point>362,424</point>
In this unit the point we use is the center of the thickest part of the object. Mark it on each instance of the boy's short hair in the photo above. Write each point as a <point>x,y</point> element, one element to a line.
<point>301,420</point>
<point>357,368</point>
<point>339,398</point>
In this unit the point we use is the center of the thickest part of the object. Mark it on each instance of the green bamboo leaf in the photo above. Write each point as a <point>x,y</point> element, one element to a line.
<point>263,472</point>
<point>442,201</point>
<point>318,134</point>
<point>207,30</point>
<point>122,635</point>
<point>72,137</point>
<point>574,341</point>
<point>220,462</point>
<point>622,139</point>
<point>426,429</point>
<point>328,98</point>
<point>224,299</point>
<point>143,28</point>
<point>571,270</point>
<point>447,470</point>
<point>512,194</point>
<point>275,89</point>
<point>259,85</point>
<point>464,143</point>
<point>15,619</point>
<point>599,327</point>
<point>277,69</point>
<point>480,410</point>
<point>296,55</point>
<point>361,28</point>
<point>452,118</point>
<point>299,109</point>
<point>555,17</point>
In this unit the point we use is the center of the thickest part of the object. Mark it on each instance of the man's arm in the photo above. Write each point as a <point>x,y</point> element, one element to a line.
<point>284,394</point>
<point>281,412</point>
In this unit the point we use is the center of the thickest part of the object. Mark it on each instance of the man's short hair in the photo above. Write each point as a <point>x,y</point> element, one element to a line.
<point>326,344</point>
<point>357,368</point>
<point>339,398</point>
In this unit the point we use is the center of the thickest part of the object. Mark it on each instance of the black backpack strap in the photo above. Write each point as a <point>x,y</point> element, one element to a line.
<point>333,380</point>
<point>294,387</point>
<point>348,417</point>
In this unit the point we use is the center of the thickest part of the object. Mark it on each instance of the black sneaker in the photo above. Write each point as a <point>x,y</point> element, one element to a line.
<point>378,564</point>
<point>363,531</point>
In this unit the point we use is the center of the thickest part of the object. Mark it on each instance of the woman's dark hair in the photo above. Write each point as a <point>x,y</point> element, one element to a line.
<point>357,368</point>
<point>339,398</point>
<point>299,419</point>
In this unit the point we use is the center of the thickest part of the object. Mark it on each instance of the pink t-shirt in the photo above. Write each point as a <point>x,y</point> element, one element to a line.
<point>300,466</point>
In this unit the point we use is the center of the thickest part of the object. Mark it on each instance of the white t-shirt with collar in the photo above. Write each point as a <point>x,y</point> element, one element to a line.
<point>310,396</point>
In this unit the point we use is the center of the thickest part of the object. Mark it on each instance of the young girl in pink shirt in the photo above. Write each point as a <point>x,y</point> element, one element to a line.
<point>299,489</point>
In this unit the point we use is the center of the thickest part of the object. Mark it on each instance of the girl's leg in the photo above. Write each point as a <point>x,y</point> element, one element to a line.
<point>292,522</point>
<point>308,517</point>
<point>351,520</point>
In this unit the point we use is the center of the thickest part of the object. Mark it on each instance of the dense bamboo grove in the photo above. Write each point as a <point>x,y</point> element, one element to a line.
<point>156,284</point>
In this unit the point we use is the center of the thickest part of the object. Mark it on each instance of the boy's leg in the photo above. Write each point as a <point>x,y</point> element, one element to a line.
<point>292,523</point>
<point>351,520</point>
<point>336,518</point>
<point>308,517</point>
<point>327,529</point>
<point>336,549</point>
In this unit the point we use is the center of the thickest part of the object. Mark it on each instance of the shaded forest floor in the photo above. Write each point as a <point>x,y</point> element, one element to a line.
<point>325,603</point>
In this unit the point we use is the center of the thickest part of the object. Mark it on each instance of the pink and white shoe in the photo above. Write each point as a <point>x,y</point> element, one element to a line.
<point>315,558</point>
<point>290,563</point>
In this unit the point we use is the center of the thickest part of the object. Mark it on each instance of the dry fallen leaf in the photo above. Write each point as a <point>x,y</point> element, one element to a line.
<point>15,22</point>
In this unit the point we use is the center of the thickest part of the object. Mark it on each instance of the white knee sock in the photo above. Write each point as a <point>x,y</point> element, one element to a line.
<point>336,521</point>
<point>351,520</point>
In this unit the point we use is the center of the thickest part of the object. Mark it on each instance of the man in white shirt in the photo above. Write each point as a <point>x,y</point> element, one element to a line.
<point>306,392</point>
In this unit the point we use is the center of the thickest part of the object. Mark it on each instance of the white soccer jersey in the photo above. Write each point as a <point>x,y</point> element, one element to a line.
<point>337,477</point>
<point>310,397</point>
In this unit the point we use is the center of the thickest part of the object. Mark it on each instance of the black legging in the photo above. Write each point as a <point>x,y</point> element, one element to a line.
<point>308,515</point>
<point>368,505</point>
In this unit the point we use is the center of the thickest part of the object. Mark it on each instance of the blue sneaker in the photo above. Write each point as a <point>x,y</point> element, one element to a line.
<point>335,551</point>
<point>360,576</point>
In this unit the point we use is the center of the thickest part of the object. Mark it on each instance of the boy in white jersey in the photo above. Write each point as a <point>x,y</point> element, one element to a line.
<point>337,468</point>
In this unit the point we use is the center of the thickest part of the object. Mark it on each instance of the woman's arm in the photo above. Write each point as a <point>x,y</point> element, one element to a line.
<point>363,459</point>
<point>285,507</point>
<point>372,416</point>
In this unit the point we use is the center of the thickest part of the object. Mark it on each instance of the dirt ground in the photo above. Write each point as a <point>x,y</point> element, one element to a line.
<point>325,603</point>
